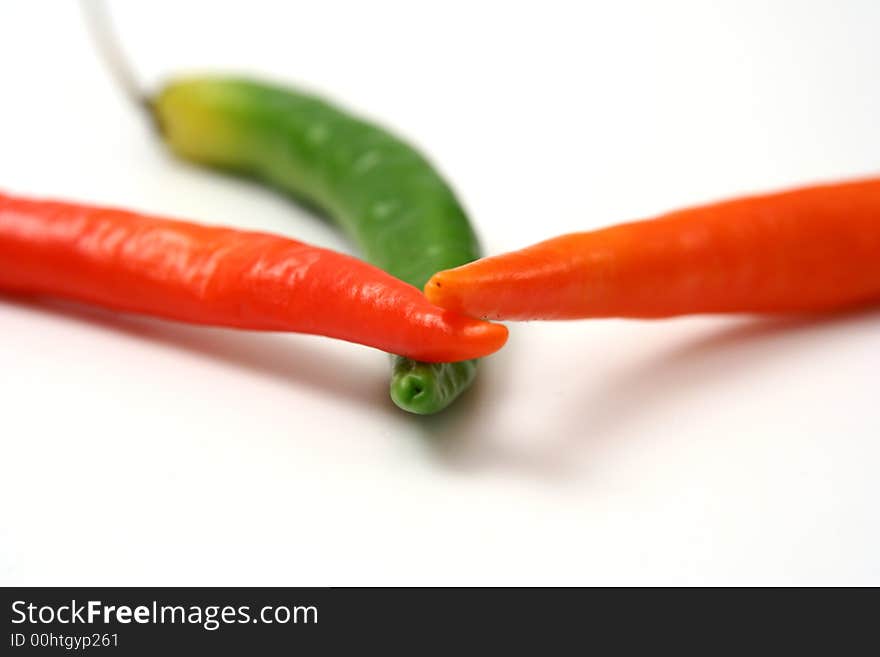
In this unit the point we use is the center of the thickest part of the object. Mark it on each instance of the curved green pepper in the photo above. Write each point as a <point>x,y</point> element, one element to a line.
<point>380,190</point>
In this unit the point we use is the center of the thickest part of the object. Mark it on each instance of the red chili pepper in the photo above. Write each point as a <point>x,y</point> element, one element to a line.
<point>805,250</point>
<point>224,277</point>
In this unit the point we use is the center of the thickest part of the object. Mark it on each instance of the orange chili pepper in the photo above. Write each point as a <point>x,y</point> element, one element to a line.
<point>810,249</point>
<point>224,277</point>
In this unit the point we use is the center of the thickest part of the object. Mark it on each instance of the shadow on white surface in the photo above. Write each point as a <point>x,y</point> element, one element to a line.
<point>575,435</point>
<point>735,352</point>
<point>265,354</point>
<point>479,434</point>
<point>460,438</point>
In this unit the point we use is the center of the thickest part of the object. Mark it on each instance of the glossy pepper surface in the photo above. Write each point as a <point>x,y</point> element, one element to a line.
<point>812,249</point>
<point>380,190</point>
<point>223,277</point>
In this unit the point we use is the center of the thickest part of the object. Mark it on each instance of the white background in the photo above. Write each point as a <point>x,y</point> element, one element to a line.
<point>705,450</point>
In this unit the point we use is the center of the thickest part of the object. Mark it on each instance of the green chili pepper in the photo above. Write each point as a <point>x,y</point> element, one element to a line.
<point>380,190</point>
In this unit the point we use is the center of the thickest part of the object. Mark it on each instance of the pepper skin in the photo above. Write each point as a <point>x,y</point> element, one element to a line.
<point>813,249</point>
<point>380,190</point>
<point>224,277</point>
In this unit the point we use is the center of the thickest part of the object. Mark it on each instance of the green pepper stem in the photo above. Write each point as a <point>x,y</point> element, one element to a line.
<point>100,27</point>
